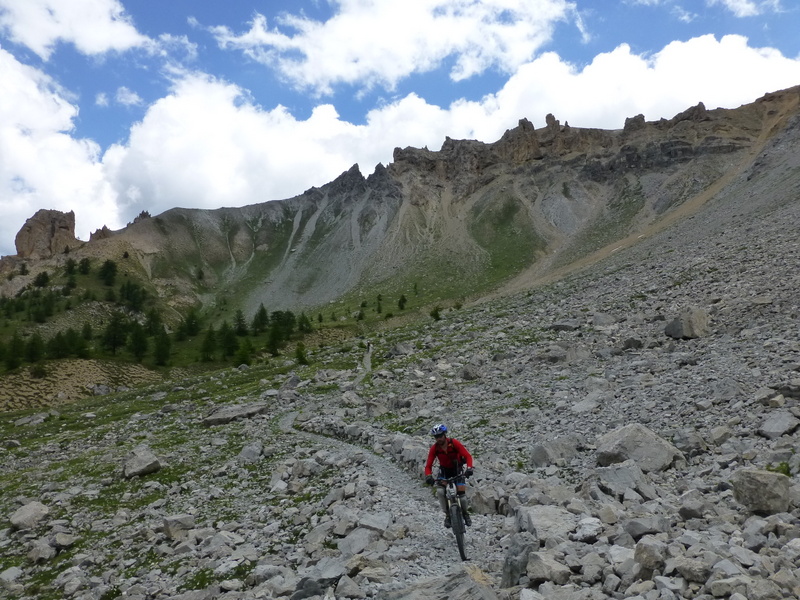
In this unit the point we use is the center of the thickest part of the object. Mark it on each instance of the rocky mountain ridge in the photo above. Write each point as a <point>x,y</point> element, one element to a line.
<point>459,221</point>
<point>635,427</point>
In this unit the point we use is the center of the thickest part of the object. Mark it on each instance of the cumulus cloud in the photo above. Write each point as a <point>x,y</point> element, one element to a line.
<point>623,84</point>
<point>93,26</point>
<point>380,42</point>
<point>127,97</point>
<point>41,164</point>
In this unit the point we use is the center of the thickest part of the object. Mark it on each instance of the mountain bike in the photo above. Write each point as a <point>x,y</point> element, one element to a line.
<point>454,509</point>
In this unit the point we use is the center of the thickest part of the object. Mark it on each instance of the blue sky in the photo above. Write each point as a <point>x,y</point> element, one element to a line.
<point>111,107</point>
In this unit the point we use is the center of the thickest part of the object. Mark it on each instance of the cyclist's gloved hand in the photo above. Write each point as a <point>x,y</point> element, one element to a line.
<point>429,480</point>
<point>468,472</point>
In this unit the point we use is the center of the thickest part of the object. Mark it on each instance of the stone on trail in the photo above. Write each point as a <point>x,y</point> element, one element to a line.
<point>458,584</point>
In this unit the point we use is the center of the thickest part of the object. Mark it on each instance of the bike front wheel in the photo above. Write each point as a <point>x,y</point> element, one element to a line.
<point>457,523</point>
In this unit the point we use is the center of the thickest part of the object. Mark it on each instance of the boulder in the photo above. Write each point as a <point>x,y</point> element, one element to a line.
<point>637,443</point>
<point>761,492</point>
<point>549,452</point>
<point>546,522</point>
<point>692,323</point>
<point>29,516</point>
<point>544,567</point>
<point>226,414</point>
<point>140,462</point>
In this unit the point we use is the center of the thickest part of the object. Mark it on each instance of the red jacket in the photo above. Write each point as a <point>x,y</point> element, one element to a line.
<point>451,455</point>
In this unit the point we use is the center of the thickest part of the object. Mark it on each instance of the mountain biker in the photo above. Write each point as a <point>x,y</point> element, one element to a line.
<point>452,455</point>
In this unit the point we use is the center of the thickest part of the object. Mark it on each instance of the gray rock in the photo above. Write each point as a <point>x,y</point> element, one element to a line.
<point>10,574</point>
<point>761,492</point>
<point>226,414</point>
<point>618,479</point>
<point>516,560</point>
<point>546,522</point>
<point>636,442</point>
<point>693,322</point>
<point>251,452</point>
<point>347,588</point>
<point>544,567</point>
<point>778,424</point>
<point>357,541</point>
<point>140,462</point>
<point>457,584</point>
<point>177,527</point>
<point>548,452</point>
<point>29,516</point>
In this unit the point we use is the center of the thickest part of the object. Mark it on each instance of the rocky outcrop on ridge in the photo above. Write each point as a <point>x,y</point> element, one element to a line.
<point>613,460</point>
<point>47,233</point>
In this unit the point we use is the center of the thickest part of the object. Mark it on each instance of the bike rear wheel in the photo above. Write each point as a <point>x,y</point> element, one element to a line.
<point>457,523</point>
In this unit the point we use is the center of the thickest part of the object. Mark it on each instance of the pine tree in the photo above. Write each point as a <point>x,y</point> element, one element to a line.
<point>108,272</point>
<point>115,333</point>
<point>34,349</point>
<point>227,340</point>
<point>260,320</point>
<point>14,352</point>
<point>244,355</point>
<point>274,340</point>
<point>162,348</point>
<point>300,354</point>
<point>239,324</point>
<point>192,322</point>
<point>137,342</point>
<point>304,324</point>
<point>58,346</point>
<point>209,346</point>
<point>153,324</point>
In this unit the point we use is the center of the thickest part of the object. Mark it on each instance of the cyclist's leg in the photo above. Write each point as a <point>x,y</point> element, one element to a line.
<point>461,490</point>
<point>441,498</point>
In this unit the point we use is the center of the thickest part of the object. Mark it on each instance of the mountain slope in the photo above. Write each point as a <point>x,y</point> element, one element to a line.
<point>460,221</point>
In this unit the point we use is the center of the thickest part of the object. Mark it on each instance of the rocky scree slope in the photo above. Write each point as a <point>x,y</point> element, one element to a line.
<point>458,221</point>
<point>635,428</point>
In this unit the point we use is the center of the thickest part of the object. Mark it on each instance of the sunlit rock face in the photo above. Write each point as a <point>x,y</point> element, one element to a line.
<point>47,233</point>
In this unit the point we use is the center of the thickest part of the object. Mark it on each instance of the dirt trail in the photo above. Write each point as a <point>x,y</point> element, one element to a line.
<point>428,547</point>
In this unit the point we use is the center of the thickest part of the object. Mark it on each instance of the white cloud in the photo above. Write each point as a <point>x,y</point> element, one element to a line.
<point>739,8</point>
<point>748,8</point>
<point>208,144</point>
<point>41,164</point>
<point>127,97</point>
<point>94,26</point>
<point>101,99</point>
<point>380,42</point>
<point>620,84</point>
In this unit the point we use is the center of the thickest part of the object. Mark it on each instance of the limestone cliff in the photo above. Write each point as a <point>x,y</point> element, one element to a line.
<point>47,233</point>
